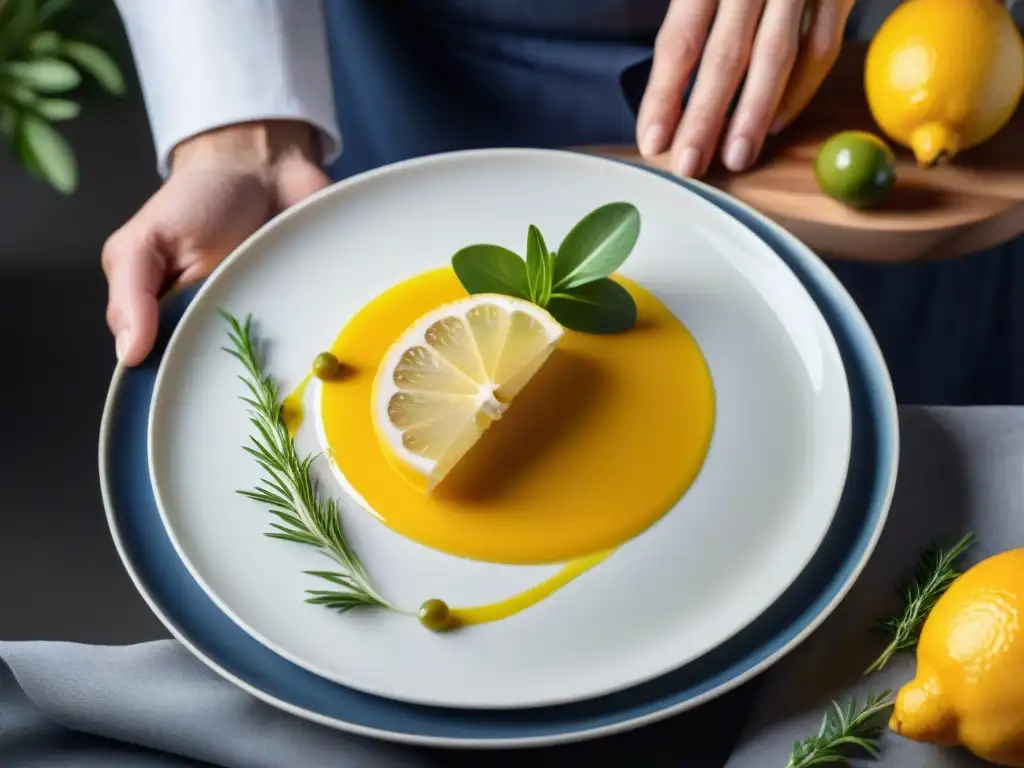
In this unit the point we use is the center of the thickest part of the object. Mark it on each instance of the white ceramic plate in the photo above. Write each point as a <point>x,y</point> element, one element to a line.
<point>740,536</point>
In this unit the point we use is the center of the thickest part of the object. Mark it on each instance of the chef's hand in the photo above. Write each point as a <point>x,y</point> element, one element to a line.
<point>223,186</point>
<point>785,59</point>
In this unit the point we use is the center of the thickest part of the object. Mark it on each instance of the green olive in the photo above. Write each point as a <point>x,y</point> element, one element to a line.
<point>326,366</point>
<point>855,168</point>
<point>434,615</point>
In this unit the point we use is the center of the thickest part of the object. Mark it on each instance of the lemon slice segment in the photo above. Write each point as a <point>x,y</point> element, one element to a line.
<point>451,374</point>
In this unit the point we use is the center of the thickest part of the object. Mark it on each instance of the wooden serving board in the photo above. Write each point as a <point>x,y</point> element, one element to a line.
<point>973,203</point>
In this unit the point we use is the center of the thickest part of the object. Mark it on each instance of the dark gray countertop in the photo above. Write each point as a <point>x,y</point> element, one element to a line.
<point>60,575</point>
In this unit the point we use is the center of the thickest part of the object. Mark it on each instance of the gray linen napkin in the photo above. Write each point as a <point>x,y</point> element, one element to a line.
<point>961,470</point>
<point>55,698</point>
<point>153,706</point>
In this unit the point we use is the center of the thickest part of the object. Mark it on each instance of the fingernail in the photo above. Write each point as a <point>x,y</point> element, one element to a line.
<point>689,162</point>
<point>121,344</point>
<point>653,141</point>
<point>739,153</point>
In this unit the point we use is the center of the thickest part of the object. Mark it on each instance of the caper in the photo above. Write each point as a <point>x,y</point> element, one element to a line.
<point>434,615</point>
<point>326,366</point>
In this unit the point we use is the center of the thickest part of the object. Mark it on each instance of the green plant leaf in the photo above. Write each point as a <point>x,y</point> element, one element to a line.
<point>17,93</point>
<point>51,8</point>
<point>597,245</point>
<point>491,269</point>
<point>97,63</point>
<point>56,110</point>
<point>44,75</point>
<point>44,43</point>
<point>28,160</point>
<point>602,306</point>
<point>538,267</point>
<point>8,120</point>
<point>48,154</point>
<point>17,21</point>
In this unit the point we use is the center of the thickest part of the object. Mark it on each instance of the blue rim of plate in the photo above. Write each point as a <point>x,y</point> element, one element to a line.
<point>185,609</point>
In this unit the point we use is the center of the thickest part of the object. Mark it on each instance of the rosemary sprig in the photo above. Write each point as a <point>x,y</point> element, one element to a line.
<point>289,489</point>
<point>843,728</point>
<point>932,577</point>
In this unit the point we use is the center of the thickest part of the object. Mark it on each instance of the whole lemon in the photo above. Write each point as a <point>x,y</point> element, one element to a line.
<point>944,75</point>
<point>969,687</point>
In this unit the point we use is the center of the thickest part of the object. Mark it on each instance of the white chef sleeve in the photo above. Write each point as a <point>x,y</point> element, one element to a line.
<point>208,63</point>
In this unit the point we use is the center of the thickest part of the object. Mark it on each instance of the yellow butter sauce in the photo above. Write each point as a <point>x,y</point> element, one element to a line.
<point>502,609</point>
<point>598,447</point>
<point>293,412</point>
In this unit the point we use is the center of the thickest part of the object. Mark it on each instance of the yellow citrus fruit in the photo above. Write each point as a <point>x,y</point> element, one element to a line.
<point>451,374</point>
<point>944,75</point>
<point>969,687</point>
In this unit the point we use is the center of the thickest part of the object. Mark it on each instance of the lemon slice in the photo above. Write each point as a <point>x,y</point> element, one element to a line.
<point>453,372</point>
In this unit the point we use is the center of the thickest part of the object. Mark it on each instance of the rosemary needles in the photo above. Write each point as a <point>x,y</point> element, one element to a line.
<point>844,727</point>
<point>933,576</point>
<point>289,490</point>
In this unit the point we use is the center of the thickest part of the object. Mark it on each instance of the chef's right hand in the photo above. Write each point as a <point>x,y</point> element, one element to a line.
<point>729,40</point>
<point>224,185</point>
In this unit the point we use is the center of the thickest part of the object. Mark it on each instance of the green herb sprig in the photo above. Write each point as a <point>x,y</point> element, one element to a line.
<point>862,726</point>
<point>935,572</point>
<point>43,57</point>
<point>289,490</point>
<point>573,286</point>
<point>844,728</point>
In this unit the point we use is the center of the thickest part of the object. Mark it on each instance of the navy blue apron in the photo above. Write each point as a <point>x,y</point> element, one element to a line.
<point>416,77</point>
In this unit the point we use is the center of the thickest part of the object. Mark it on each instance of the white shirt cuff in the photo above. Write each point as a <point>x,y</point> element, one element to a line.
<point>209,63</point>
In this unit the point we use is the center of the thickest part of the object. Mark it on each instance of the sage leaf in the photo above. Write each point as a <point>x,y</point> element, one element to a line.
<point>44,75</point>
<point>98,64</point>
<point>597,245</point>
<point>48,154</point>
<point>601,306</point>
<point>538,267</point>
<point>491,269</point>
<point>56,110</point>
